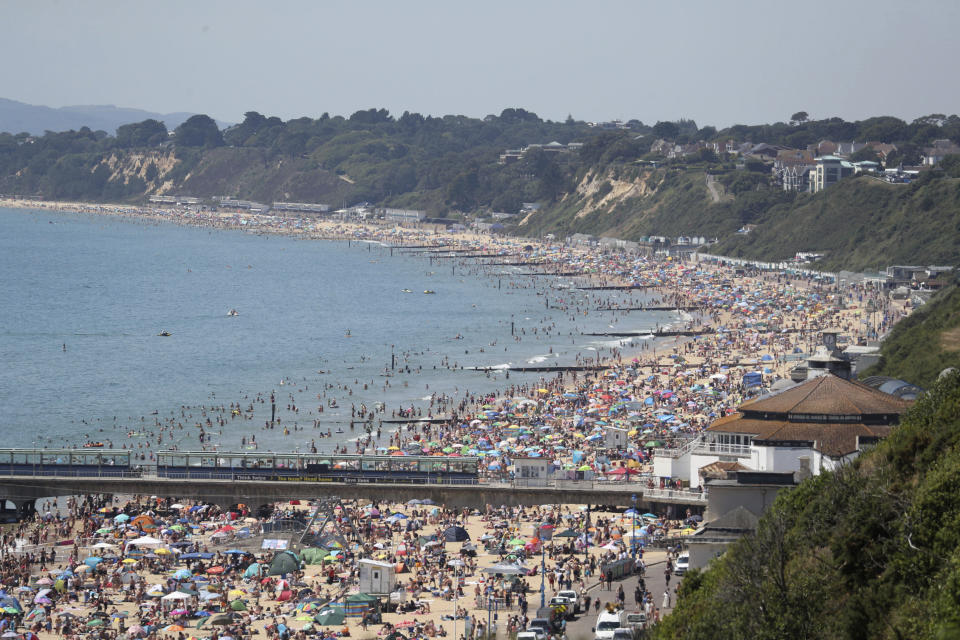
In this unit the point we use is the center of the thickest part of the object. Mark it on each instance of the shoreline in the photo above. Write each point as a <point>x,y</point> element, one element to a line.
<point>702,360</point>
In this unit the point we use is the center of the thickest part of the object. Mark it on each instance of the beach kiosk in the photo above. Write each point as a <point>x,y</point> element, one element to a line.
<point>531,471</point>
<point>615,438</point>
<point>377,578</point>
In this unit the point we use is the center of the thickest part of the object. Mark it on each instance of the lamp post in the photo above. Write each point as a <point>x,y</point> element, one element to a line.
<point>456,563</point>
<point>492,606</point>
<point>543,575</point>
<point>633,537</point>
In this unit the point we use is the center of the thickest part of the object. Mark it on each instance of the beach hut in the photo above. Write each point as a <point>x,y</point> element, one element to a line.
<point>377,577</point>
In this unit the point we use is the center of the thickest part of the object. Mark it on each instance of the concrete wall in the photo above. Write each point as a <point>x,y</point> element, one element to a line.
<point>722,499</point>
<point>256,493</point>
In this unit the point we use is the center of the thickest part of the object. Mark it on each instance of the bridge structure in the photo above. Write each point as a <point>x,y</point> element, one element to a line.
<point>25,490</point>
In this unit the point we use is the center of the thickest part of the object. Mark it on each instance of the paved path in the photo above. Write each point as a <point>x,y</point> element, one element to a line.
<point>581,628</point>
<point>712,188</point>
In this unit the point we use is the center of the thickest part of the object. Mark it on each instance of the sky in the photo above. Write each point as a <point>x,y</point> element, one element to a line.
<point>718,62</point>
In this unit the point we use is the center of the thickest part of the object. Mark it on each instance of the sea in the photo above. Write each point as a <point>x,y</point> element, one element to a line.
<point>318,323</point>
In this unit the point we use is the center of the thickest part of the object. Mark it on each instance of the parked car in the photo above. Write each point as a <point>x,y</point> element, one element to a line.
<point>681,564</point>
<point>573,597</point>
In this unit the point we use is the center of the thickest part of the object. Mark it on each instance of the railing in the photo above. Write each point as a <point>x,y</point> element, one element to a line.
<point>103,472</point>
<point>674,494</point>
<point>742,450</point>
<point>677,452</point>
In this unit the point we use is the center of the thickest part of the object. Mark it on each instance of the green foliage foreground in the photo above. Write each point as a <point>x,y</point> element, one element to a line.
<point>869,552</point>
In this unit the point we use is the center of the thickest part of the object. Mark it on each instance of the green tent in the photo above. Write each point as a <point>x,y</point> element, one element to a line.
<point>357,604</point>
<point>330,616</point>
<point>284,562</point>
<point>312,555</point>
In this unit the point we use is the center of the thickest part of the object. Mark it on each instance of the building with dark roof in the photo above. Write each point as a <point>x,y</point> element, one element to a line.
<point>809,428</point>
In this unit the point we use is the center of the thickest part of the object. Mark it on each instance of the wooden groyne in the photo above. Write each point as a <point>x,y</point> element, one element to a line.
<point>556,369</point>
<point>655,334</point>
<point>617,287</point>
<point>649,308</point>
<point>560,274</point>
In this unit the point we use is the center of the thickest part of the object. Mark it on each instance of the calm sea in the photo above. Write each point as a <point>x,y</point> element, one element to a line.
<point>83,298</point>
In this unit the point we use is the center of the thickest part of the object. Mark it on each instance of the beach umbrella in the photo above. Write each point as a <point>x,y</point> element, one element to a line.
<point>96,622</point>
<point>221,620</point>
<point>182,574</point>
<point>121,517</point>
<point>238,605</point>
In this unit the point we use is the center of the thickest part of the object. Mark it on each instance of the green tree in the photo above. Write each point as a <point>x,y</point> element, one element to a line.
<point>666,130</point>
<point>199,131</point>
<point>148,133</point>
<point>799,117</point>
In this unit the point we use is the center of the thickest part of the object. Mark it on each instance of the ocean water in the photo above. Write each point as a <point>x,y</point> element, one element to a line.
<point>83,298</point>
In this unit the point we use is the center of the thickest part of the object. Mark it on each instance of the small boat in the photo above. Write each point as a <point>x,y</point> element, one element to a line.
<point>347,334</point>
<point>165,334</point>
<point>233,312</point>
<point>407,290</point>
<point>429,291</point>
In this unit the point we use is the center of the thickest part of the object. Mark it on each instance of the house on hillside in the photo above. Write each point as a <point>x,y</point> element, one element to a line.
<point>847,149</point>
<point>828,171</point>
<point>792,169</point>
<point>938,151</point>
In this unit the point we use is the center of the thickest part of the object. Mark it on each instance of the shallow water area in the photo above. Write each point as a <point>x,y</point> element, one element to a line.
<point>86,296</point>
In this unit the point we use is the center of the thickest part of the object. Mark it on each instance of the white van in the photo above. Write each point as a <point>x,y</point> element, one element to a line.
<point>607,623</point>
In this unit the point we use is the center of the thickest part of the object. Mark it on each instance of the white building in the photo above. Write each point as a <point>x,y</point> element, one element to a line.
<point>377,578</point>
<point>812,427</point>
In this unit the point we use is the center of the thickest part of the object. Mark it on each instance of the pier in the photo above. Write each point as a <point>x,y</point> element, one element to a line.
<point>25,489</point>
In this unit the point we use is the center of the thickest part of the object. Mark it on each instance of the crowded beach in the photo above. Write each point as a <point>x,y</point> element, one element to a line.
<point>150,567</point>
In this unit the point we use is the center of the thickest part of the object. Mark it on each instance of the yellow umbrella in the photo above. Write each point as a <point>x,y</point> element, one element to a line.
<point>233,594</point>
<point>162,552</point>
<point>543,390</point>
<point>129,561</point>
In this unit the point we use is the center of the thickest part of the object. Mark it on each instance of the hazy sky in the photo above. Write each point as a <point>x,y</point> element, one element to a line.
<point>719,62</point>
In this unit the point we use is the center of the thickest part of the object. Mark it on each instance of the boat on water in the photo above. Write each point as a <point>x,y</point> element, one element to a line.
<point>165,334</point>
<point>347,334</point>
<point>429,291</point>
<point>232,313</point>
<point>407,290</point>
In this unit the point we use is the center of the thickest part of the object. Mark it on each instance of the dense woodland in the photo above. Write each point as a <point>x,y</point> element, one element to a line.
<point>448,166</point>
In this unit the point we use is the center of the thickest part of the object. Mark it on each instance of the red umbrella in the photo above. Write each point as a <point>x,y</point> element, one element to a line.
<point>215,570</point>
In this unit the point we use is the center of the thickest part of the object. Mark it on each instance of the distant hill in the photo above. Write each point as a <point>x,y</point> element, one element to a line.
<point>18,117</point>
<point>623,182</point>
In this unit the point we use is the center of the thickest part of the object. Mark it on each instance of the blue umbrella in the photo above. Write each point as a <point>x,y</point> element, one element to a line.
<point>235,552</point>
<point>183,574</point>
<point>121,517</point>
<point>92,561</point>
